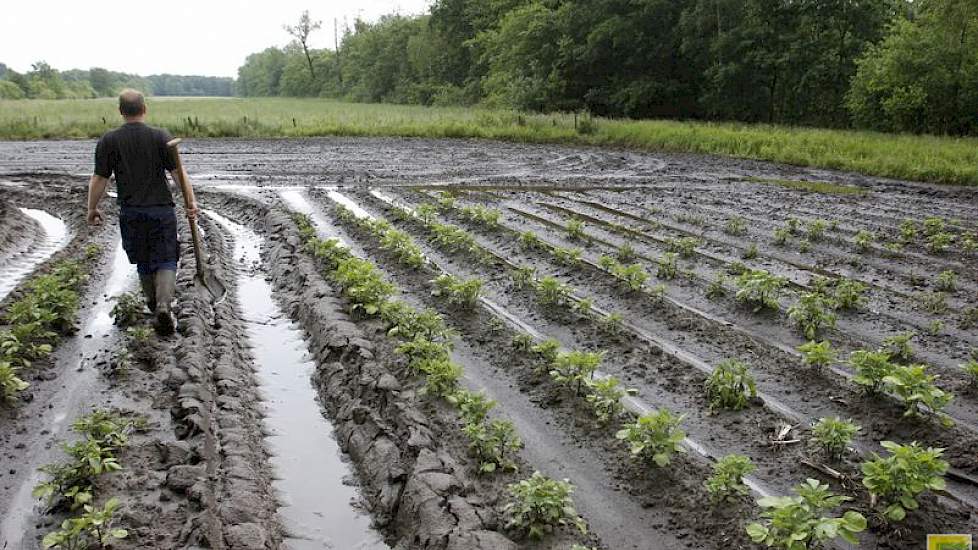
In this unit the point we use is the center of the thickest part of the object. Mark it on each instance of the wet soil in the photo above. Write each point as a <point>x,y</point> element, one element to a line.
<point>202,471</point>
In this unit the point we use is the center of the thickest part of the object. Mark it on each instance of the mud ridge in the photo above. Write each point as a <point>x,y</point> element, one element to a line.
<point>416,490</point>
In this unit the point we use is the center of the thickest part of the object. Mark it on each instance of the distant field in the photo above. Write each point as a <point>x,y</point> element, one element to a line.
<point>919,158</point>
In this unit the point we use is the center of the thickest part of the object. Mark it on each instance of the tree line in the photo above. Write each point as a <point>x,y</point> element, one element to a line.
<point>45,82</point>
<point>891,65</point>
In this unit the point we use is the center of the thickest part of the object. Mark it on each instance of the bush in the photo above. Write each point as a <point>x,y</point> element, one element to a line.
<point>539,505</point>
<point>654,437</point>
<point>730,386</point>
<point>798,523</point>
<point>727,481</point>
<point>898,480</point>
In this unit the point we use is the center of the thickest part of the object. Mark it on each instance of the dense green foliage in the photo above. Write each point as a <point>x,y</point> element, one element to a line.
<point>813,62</point>
<point>45,82</point>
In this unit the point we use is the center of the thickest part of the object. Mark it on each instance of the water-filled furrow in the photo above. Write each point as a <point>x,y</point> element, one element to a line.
<point>312,476</point>
<point>77,377</point>
<point>56,236</point>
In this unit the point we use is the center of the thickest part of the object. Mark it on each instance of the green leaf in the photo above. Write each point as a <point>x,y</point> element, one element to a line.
<point>757,532</point>
<point>896,513</point>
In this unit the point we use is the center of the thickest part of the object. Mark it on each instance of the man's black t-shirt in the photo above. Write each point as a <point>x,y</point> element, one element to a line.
<point>138,156</point>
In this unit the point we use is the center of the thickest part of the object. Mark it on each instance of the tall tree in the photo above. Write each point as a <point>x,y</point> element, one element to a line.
<point>301,31</point>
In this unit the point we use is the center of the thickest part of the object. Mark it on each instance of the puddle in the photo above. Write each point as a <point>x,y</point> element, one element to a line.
<point>312,478</point>
<point>78,382</point>
<point>56,236</point>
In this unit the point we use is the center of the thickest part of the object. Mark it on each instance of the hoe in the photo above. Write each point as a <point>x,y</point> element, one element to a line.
<point>205,277</point>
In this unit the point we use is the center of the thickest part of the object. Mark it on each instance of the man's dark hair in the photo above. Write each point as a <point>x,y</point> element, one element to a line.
<point>131,102</point>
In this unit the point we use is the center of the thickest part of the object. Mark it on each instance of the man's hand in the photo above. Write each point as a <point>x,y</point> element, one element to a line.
<point>94,216</point>
<point>193,211</point>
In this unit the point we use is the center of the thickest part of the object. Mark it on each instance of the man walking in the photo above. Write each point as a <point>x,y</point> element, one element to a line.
<point>137,154</point>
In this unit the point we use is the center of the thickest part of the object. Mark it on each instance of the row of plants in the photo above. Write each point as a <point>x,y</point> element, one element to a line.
<point>72,485</point>
<point>657,436</point>
<point>537,504</point>
<point>39,319</point>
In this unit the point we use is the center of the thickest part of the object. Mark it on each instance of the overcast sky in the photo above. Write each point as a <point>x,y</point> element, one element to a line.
<point>209,37</point>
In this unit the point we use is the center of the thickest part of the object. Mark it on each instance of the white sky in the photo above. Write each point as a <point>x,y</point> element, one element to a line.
<point>209,37</point>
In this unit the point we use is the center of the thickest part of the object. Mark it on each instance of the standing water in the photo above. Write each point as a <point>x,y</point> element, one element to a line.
<point>56,236</point>
<point>318,510</point>
<point>78,383</point>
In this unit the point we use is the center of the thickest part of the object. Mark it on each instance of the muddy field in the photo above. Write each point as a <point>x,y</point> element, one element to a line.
<point>287,416</point>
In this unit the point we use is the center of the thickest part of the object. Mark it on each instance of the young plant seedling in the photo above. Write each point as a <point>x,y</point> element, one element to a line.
<point>760,289</point>
<point>908,231</point>
<point>816,230</point>
<point>751,252</point>
<point>933,302</point>
<point>735,226</point>
<point>727,482</point>
<point>605,395</point>
<point>817,355</point>
<point>912,385</point>
<point>528,240</point>
<point>898,346</point>
<point>667,266</point>
<point>522,342</point>
<point>717,287</point>
<point>654,437</point>
<point>834,435</point>
<point>538,505</point>
<point>971,369</point>
<point>947,281</point>
<point>10,383</point>
<point>812,313</point>
<point>864,241</point>
<point>871,368</point>
<point>849,294</point>
<point>798,522</point>
<point>575,229</point>
<point>613,324</point>
<point>575,369</point>
<point>547,351</point>
<point>730,386</point>
<point>685,247</point>
<point>781,236</point>
<point>626,253</point>
<point>523,277</point>
<point>494,443</point>
<point>464,294</point>
<point>551,292</point>
<point>93,526</point>
<point>568,256</point>
<point>895,482</point>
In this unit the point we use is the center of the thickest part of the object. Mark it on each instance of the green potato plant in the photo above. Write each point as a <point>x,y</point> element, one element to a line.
<point>760,289</point>
<point>685,246</point>
<point>453,238</point>
<point>799,522</point>
<point>898,346</point>
<point>494,443</point>
<point>717,287</point>
<point>552,292</point>
<point>781,236</point>
<point>95,525</point>
<point>613,323</point>
<point>362,284</point>
<point>895,482</point>
<point>736,226</point>
<point>908,231</point>
<point>849,294</point>
<point>482,215</point>
<point>538,505</point>
<point>668,268</point>
<point>575,368</point>
<point>971,369</point>
<point>464,294</point>
<point>727,482</point>
<point>751,252</point>
<point>575,229</point>
<point>626,253</point>
<point>427,213</point>
<point>864,240</point>
<point>528,240</point>
<point>947,281</point>
<point>567,256</point>
<point>547,350</point>
<point>730,386</point>
<point>605,395</point>
<point>128,309</point>
<point>816,230</point>
<point>811,313</point>
<point>933,302</point>
<point>834,435</point>
<point>523,277</point>
<point>10,383</point>
<point>916,389</point>
<point>939,243</point>
<point>522,342</point>
<point>654,437</point>
<point>871,368</point>
<point>404,249</point>
<point>817,354</point>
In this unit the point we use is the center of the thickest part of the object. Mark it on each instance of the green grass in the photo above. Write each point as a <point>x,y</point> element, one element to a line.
<point>920,158</point>
<point>812,186</point>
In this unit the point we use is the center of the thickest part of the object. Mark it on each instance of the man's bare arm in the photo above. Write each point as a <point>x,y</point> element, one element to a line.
<point>189,198</point>
<point>96,190</point>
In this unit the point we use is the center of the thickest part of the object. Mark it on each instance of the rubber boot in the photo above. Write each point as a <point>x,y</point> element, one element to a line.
<point>148,284</point>
<point>166,287</point>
